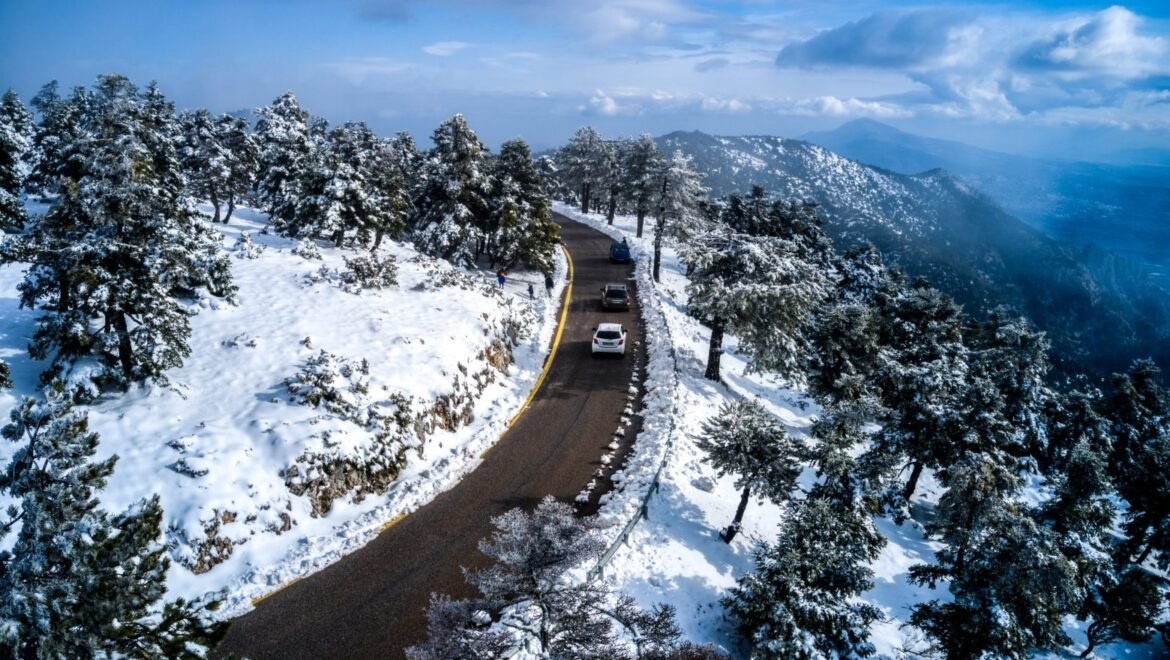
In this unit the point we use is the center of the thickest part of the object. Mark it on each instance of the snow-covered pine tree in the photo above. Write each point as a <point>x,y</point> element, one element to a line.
<point>642,169</point>
<point>1009,352</point>
<point>1139,413</point>
<point>679,200</point>
<point>1126,604</point>
<point>745,440</point>
<point>453,209</point>
<point>78,582</point>
<point>338,189</point>
<point>922,374</point>
<point>15,141</point>
<point>1011,583</point>
<point>758,288</point>
<point>243,152</point>
<point>611,176</point>
<point>581,163</point>
<point>800,601</point>
<point>120,243</point>
<point>286,150</point>
<point>522,231</point>
<point>219,159</point>
<point>5,375</point>
<point>57,132</point>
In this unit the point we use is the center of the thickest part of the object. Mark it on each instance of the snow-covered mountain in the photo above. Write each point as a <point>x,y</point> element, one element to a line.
<point>1119,207</point>
<point>1101,311</point>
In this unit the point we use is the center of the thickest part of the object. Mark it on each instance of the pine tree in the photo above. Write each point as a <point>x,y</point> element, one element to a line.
<point>1010,581</point>
<point>926,393</point>
<point>5,375</point>
<point>119,245</point>
<point>287,148</point>
<point>1125,605</point>
<point>1139,413</point>
<point>744,440</point>
<point>219,159</point>
<point>530,604</point>
<point>679,199</point>
<point>758,288</point>
<point>581,163</point>
<point>15,141</point>
<point>57,133</point>
<point>78,582</point>
<point>800,601</point>
<point>642,170</point>
<point>453,209</point>
<point>522,231</point>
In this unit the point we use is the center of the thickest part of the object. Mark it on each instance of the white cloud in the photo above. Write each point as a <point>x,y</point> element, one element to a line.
<point>831,106</point>
<point>601,104</point>
<point>716,104</point>
<point>445,48</point>
<point>1107,43</point>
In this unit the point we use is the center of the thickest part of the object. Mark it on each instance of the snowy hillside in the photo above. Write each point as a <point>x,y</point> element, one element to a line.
<point>411,383</point>
<point>675,555</point>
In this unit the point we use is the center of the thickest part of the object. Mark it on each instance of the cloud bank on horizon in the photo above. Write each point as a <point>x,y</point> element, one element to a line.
<point>540,69</point>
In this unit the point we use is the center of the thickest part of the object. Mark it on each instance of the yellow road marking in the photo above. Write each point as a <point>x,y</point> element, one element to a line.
<point>392,522</point>
<point>552,352</point>
<point>256,601</point>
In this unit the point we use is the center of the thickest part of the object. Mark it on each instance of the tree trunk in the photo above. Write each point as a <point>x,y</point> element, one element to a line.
<point>641,220</point>
<point>659,225</point>
<point>728,534</point>
<point>714,350</point>
<point>1092,642</point>
<point>609,213</point>
<point>125,349</point>
<point>585,197</point>
<point>231,202</point>
<point>377,239</point>
<point>912,483</point>
<point>337,237</point>
<point>214,205</point>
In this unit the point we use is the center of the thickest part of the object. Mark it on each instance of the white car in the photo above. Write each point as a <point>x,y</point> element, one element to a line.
<point>609,338</point>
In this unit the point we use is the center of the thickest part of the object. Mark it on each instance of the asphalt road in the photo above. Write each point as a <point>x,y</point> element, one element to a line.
<point>371,604</point>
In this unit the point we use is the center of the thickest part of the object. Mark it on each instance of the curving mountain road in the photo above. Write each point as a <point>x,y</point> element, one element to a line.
<point>372,603</point>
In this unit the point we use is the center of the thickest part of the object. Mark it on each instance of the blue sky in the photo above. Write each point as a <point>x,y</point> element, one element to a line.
<point>1074,78</point>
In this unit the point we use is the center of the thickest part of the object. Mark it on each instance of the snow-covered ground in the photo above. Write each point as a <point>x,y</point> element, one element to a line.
<point>215,445</point>
<point>675,555</point>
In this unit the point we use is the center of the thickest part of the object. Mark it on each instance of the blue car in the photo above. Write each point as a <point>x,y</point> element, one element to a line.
<point>619,252</point>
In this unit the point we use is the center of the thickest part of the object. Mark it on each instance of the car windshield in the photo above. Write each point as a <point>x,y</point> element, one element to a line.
<point>615,293</point>
<point>608,334</point>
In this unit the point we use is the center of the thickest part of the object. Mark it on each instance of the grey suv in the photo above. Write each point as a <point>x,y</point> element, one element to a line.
<point>615,296</point>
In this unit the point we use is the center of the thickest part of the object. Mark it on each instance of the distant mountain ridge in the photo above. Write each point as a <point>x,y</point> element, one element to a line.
<point>1123,208</point>
<point>1101,311</point>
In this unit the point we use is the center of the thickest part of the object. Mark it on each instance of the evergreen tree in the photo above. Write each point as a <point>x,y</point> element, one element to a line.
<point>454,209</point>
<point>57,133</point>
<point>1126,605</point>
<point>1139,412</point>
<point>927,396</point>
<point>119,245</point>
<point>287,148</point>
<point>744,440</point>
<point>611,175</point>
<point>1010,581</point>
<point>522,231</point>
<point>530,604</point>
<point>758,288</point>
<point>581,162</point>
<point>642,171</point>
<point>5,375</point>
<point>15,141</point>
<point>844,359</point>
<point>800,601</point>
<point>219,159</point>
<point>391,192</point>
<point>78,582</point>
<point>679,200</point>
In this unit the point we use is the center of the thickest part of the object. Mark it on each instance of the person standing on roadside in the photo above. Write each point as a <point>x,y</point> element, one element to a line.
<point>548,284</point>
